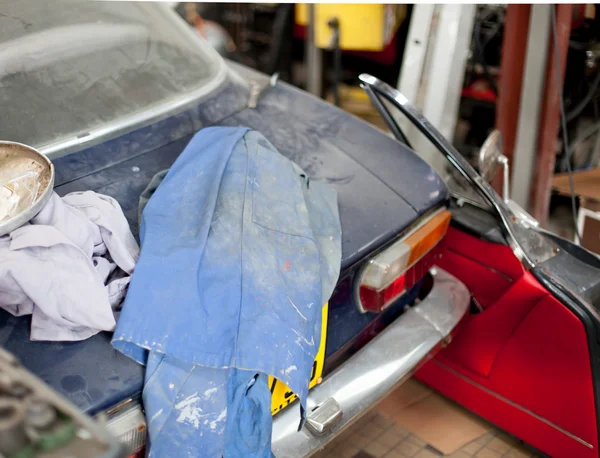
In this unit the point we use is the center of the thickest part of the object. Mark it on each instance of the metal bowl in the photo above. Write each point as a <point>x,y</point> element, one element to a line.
<point>16,159</point>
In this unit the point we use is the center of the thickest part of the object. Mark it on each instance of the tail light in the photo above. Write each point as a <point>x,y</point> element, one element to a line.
<point>393,271</point>
<point>127,422</point>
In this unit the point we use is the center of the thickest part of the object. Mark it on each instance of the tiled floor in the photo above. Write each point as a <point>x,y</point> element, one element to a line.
<point>376,436</point>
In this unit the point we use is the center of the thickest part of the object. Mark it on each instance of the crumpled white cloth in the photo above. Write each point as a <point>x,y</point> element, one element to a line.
<point>69,267</point>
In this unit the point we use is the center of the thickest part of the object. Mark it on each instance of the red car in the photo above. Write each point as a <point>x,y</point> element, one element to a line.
<point>527,356</point>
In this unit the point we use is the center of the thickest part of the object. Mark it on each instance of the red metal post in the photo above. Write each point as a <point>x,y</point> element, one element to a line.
<point>516,28</point>
<point>541,185</point>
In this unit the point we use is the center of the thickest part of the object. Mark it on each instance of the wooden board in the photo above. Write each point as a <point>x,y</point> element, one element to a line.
<point>586,183</point>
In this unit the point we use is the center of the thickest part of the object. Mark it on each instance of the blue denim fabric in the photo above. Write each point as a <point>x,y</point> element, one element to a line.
<point>239,253</point>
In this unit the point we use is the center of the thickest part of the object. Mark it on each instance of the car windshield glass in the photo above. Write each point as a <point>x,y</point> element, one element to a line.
<point>457,184</point>
<point>531,245</point>
<point>68,67</point>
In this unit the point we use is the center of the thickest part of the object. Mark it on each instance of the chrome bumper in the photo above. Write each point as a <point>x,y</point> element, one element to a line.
<point>381,365</point>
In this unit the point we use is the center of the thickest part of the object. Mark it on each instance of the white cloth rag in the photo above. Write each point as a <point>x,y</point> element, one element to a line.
<point>69,267</point>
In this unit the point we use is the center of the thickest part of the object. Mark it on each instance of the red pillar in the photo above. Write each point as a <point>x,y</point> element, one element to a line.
<point>516,28</point>
<point>541,185</point>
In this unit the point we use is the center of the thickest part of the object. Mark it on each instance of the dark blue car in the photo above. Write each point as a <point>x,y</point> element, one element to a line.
<point>113,92</point>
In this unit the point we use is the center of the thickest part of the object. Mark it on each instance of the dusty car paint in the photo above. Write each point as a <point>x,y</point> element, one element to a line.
<point>382,189</point>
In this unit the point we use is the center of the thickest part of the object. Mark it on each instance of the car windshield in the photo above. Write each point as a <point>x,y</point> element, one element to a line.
<point>422,146</point>
<point>407,124</point>
<point>70,67</point>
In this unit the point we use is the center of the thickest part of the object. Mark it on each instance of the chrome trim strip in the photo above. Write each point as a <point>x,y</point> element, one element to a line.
<point>153,113</point>
<point>380,366</point>
<point>517,406</point>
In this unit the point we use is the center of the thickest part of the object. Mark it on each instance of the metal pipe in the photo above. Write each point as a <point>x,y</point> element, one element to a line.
<point>334,24</point>
<point>313,56</point>
<point>505,188</point>
<point>531,98</point>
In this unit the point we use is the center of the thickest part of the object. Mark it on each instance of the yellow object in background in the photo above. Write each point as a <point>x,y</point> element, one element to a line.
<point>363,27</point>
<point>281,395</point>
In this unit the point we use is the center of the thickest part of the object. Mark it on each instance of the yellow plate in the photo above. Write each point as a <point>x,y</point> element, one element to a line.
<point>282,396</point>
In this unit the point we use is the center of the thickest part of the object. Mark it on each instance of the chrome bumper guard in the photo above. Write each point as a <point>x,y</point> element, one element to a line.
<point>369,375</point>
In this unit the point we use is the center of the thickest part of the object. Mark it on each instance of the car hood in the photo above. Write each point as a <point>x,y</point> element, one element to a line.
<point>382,186</point>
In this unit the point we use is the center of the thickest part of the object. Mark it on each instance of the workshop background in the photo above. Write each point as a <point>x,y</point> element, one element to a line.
<point>470,69</point>
<point>447,59</point>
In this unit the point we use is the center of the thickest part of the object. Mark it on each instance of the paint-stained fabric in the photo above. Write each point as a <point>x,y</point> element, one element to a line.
<point>240,250</point>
